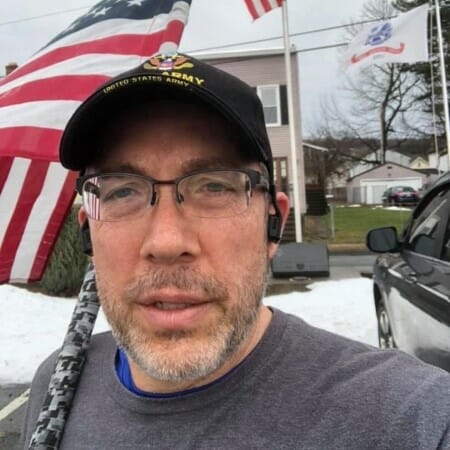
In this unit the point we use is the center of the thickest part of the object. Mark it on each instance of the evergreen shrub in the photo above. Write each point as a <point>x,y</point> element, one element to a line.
<point>65,270</point>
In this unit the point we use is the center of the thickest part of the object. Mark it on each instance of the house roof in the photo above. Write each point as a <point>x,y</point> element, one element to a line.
<point>247,53</point>
<point>385,164</point>
<point>428,171</point>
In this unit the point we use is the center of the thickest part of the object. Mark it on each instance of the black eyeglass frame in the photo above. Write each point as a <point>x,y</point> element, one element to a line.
<point>256,179</point>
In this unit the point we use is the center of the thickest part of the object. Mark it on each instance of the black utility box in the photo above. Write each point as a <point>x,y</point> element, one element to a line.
<point>301,259</point>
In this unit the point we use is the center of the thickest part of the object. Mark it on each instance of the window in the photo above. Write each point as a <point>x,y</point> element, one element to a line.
<point>271,100</point>
<point>274,100</point>
<point>280,174</point>
<point>428,230</point>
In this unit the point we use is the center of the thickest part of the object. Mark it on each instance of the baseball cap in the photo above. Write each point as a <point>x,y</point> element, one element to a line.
<point>177,76</point>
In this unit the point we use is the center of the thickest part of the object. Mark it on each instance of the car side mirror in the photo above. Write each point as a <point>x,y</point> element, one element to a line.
<point>383,240</point>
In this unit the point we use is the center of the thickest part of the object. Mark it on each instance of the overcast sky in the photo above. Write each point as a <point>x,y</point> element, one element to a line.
<point>211,23</point>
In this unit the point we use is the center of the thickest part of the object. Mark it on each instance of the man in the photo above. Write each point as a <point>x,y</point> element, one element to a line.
<point>180,205</point>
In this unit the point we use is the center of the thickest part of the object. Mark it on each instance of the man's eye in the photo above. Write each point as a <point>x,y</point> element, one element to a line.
<point>216,187</point>
<point>119,194</point>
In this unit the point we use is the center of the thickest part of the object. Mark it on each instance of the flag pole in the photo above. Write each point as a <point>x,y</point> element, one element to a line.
<point>433,97</point>
<point>294,162</point>
<point>443,77</point>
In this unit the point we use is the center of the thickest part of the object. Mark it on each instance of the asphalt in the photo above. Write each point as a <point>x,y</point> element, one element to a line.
<point>344,262</point>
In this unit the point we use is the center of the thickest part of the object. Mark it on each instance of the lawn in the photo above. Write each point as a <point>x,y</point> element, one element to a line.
<point>353,223</point>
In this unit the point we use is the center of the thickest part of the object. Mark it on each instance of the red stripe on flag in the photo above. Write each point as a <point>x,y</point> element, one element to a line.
<point>58,67</point>
<point>31,188</point>
<point>5,167</point>
<point>252,9</point>
<point>124,44</point>
<point>266,5</point>
<point>54,225</point>
<point>173,31</point>
<point>75,87</point>
<point>30,142</point>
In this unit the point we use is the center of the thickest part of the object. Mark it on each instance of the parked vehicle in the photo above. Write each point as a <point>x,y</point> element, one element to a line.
<point>412,279</point>
<point>400,195</point>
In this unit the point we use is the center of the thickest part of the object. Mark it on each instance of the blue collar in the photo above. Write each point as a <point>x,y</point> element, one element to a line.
<point>124,373</point>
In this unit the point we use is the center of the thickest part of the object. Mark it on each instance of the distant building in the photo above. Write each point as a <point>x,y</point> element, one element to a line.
<point>368,187</point>
<point>419,163</point>
<point>265,70</point>
<point>10,67</point>
<point>391,157</point>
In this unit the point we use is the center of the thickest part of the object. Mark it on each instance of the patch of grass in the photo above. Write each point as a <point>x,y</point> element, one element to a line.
<point>353,223</point>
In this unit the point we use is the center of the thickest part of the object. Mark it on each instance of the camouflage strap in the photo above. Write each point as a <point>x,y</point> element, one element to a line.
<point>68,367</point>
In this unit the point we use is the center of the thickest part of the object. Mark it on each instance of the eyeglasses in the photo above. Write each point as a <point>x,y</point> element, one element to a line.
<point>207,193</point>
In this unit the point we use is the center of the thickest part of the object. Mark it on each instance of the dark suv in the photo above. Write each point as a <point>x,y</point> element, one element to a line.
<point>400,195</point>
<point>411,279</point>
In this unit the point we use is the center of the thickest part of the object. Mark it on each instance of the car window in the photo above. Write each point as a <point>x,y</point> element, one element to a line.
<point>446,248</point>
<point>429,229</point>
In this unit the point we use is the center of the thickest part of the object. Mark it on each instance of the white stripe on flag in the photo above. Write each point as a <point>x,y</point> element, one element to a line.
<point>108,65</point>
<point>108,28</point>
<point>259,7</point>
<point>11,192</point>
<point>273,3</point>
<point>180,12</point>
<point>37,222</point>
<point>35,114</point>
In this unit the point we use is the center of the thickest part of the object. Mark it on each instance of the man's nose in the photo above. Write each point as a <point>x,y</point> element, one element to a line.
<point>169,235</point>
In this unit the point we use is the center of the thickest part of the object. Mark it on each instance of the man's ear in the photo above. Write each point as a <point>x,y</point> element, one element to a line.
<point>283,206</point>
<point>85,234</point>
<point>82,217</point>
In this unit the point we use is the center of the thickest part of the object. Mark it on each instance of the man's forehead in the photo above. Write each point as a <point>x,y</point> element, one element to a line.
<point>183,166</point>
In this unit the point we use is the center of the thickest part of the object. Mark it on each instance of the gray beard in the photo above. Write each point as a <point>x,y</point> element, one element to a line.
<point>154,354</point>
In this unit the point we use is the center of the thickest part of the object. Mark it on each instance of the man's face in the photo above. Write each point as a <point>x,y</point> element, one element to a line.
<point>182,294</point>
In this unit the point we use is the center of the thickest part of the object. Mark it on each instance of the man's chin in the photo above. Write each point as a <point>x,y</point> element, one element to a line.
<point>178,357</point>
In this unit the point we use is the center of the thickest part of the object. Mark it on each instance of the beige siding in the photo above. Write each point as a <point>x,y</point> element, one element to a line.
<point>383,173</point>
<point>262,70</point>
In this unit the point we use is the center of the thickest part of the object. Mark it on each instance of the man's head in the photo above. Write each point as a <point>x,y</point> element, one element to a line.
<point>178,191</point>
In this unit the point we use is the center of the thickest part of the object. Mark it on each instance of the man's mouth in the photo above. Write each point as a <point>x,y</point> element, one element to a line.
<point>169,310</point>
<point>167,306</point>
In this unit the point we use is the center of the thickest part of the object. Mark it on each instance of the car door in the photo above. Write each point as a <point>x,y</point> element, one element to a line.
<point>418,301</point>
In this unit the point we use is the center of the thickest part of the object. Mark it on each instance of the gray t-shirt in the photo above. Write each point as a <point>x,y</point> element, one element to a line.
<point>301,388</point>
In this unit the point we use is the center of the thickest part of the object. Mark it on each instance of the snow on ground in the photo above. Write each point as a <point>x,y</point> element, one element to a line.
<point>33,325</point>
<point>398,208</point>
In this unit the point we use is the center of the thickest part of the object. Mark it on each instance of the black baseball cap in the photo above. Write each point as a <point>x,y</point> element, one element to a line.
<point>163,77</point>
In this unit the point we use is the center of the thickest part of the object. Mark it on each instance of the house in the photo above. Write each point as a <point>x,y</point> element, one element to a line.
<point>265,70</point>
<point>391,156</point>
<point>419,163</point>
<point>368,187</point>
<point>442,164</point>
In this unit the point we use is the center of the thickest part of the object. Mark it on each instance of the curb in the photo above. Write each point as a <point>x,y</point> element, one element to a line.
<point>347,248</point>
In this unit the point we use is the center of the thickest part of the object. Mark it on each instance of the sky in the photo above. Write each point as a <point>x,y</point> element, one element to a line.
<point>33,325</point>
<point>212,23</point>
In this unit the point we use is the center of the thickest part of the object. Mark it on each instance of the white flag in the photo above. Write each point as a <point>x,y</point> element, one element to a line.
<point>403,40</point>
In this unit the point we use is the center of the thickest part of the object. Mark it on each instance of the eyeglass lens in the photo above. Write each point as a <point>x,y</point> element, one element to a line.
<point>115,197</point>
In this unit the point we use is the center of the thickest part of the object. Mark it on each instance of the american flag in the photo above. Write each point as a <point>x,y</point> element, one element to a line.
<point>258,8</point>
<point>38,98</point>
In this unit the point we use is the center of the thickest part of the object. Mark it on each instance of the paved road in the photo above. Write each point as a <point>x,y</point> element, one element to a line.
<point>10,423</point>
<point>349,266</point>
<point>341,267</point>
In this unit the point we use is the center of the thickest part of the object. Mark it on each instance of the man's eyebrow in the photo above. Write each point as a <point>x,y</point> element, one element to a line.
<point>186,167</point>
<point>193,165</point>
<point>123,168</point>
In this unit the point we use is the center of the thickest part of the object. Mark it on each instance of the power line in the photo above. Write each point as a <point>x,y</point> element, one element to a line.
<point>302,33</point>
<point>56,13</point>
